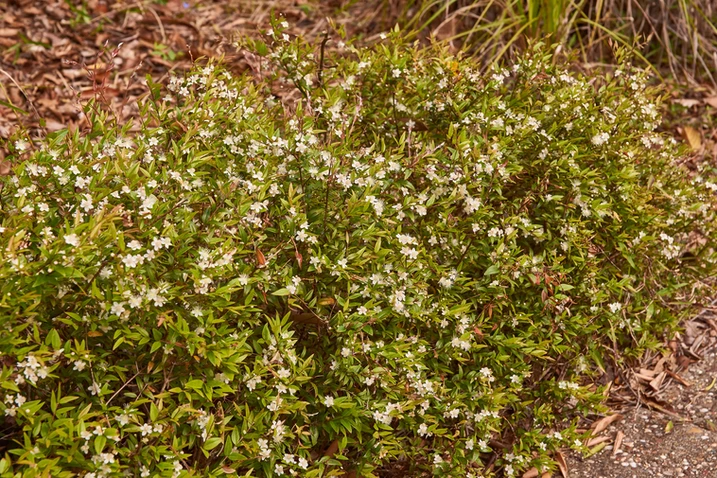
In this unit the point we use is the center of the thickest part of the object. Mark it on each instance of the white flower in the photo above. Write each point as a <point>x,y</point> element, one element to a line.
<point>487,373</point>
<point>275,404</point>
<point>133,260</point>
<point>86,203</point>
<point>72,240</point>
<point>495,232</point>
<point>600,139</point>
<point>405,239</point>
<point>409,252</point>
<point>117,308</point>
<point>615,307</point>
<point>252,382</point>
<point>471,205</point>
<point>160,243</point>
<point>377,204</point>
<point>329,401</point>
<point>94,389</point>
<point>122,419</point>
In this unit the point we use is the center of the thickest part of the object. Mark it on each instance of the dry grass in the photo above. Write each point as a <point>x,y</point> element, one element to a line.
<point>677,38</point>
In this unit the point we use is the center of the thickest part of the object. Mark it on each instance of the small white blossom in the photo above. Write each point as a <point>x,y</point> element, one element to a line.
<point>600,139</point>
<point>72,240</point>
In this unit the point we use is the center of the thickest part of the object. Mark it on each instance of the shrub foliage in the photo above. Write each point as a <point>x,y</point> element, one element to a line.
<point>370,260</point>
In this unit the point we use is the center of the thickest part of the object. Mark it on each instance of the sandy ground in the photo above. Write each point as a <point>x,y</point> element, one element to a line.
<point>679,441</point>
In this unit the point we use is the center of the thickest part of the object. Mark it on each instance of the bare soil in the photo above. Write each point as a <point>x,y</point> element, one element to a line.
<point>670,427</point>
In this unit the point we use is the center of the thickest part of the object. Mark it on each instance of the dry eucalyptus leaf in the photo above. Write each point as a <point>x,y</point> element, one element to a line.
<point>657,382</point>
<point>618,442</point>
<point>5,167</point>
<point>693,137</point>
<point>532,473</point>
<point>562,465</point>
<point>597,440</point>
<point>603,423</point>
<point>687,102</point>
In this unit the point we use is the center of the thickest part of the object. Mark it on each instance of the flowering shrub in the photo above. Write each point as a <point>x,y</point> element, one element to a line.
<point>393,262</point>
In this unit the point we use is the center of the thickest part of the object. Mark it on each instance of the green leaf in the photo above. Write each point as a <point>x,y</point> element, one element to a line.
<point>153,412</point>
<point>212,443</point>
<point>100,442</point>
<point>195,384</point>
<point>53,339</point>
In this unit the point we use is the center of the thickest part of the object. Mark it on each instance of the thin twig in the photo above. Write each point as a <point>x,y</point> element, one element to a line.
<point>27,97</point>
<point>122,388</point>
<point>321,58</point>
<point>159,23</point>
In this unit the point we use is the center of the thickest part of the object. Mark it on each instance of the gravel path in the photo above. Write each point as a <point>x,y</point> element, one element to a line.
<point>673,433</point>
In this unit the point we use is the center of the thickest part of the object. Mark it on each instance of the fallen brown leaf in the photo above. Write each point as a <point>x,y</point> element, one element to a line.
<point>663,407</point>
<point>332,449</point>
<point>712,101</point>
<point>693,137</point>
<point>532,473</point>
<point>618,442</point>
<point>260,258</point>
<point>683,362</point>
<point>597,440</point>
<point>562,465</point>
<point>687,102</point>
<point>52,125</point>
<point>678,378</point>
<point>603,423</point>
<point>5,168</point>
<point>648,372</point>
<point>657,382</point>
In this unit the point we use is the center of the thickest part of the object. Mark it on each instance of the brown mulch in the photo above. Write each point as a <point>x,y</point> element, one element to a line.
<point>56,55</point>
